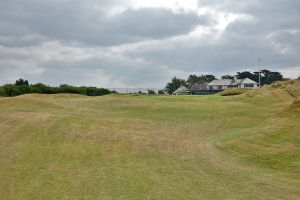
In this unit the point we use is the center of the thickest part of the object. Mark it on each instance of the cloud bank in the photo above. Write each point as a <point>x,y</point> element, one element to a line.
<point>129,43</point>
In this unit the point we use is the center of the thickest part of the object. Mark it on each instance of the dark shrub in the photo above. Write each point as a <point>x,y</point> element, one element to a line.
<point>22,87</point>
<point>161,92</point>
<point>21,82</point>
<point>12,90</point>
<point>2,92</point>
<point>151,92</point>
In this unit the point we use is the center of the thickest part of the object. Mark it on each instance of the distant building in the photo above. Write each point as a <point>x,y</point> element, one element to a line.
<point>199,88</point>
<point>216,86</point>
<point>222,84</point>
<point>182,91</point>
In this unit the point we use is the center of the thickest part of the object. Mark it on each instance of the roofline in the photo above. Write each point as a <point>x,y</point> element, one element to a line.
<point>232,82</point>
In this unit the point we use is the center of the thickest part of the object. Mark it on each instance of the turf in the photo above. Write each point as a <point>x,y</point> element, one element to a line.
<point>151,147</point>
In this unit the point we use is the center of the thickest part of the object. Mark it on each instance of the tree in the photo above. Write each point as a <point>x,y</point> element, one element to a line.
<point>21,82</point>
<point>114,92</point>
<point>209,78</point>
<point>161,92</point>
<point>270,77</point>
<point>227,77</point>
<point>194,79</point>
<point>267,76</point>
<point>175,84</point>
<point>151,92</point>
<point>247,74</point>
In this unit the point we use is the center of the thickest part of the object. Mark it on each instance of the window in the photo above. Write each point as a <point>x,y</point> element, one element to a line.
<point>211,87</point>
<point>248,85</point>
<point>219,87</point>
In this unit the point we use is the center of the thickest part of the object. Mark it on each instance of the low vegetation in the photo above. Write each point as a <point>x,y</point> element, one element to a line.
<point>65,146</point>
<point>22,87</point>
<point>291,86</point>
<point>233,91</point>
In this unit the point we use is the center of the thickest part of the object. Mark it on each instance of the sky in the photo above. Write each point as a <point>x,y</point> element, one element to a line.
<point>142,43</point>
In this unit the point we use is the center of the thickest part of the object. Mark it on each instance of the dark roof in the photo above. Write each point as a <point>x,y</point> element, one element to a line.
<point>198,86</point>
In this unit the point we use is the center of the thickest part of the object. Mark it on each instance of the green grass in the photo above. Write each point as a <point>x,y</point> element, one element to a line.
<point>234,91</point>
<point>151,147</point>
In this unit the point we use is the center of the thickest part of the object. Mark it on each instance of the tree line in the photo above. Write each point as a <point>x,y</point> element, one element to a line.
<point>22,86</point>
<point>267,77</point>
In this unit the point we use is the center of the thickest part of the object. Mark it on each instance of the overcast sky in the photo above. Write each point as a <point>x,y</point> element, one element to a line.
<point>143,43</point>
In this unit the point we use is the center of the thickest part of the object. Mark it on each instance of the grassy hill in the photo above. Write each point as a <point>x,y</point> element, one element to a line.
<point>152,147</point>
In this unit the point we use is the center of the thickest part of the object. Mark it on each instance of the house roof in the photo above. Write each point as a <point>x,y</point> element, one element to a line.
<point>221,82</point>
<point>248,81</point>
<point>181,89</point>
<point>226,82</point>
<point>198,86</point>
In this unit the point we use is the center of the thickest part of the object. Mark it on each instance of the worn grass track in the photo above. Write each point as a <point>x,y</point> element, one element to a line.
<point>149,147</point>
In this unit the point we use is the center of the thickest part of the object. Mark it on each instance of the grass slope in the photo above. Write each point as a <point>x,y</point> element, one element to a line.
<point>149,147</point>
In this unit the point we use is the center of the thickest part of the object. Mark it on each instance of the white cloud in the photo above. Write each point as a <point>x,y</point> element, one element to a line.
<point>291,72</point>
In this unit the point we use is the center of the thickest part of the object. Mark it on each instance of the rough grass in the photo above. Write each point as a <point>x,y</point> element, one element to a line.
<point>291,86</point>
<point>233,91</point>
<point>151,147</point>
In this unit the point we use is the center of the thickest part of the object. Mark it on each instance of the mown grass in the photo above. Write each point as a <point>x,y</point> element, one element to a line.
<point>151,147</point>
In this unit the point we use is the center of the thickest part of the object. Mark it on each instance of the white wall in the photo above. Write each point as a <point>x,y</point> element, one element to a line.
<point>215,87</point>
<point>224,87</point>
<point>243,86</point>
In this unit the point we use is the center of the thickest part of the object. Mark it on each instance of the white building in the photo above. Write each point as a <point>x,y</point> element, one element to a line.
<point>182,91</point>
<point>223,84</point>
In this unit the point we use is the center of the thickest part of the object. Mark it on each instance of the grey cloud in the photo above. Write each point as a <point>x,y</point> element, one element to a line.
<point>86,23</point>
<point>270,14</point>
<point>233,52</point>
<point>114,71</point>
<point>287,40</point>
<point>150,52</point>
<point>271,34</point>
<point>56,64</point>
<point>155,23</point>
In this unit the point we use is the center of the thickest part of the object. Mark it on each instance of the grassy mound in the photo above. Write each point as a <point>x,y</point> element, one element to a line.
<point>275,142</point>
<point>233,91</point>
<point>291,86</point>
<point>295,105</point>
<point>151,147</point>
